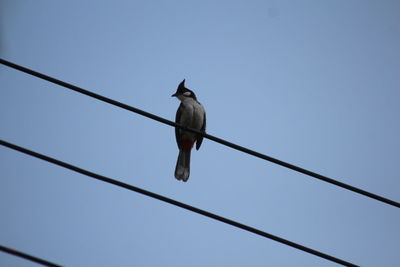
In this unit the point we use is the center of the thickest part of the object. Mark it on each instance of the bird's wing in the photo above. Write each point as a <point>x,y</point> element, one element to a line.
<point>203,129</point>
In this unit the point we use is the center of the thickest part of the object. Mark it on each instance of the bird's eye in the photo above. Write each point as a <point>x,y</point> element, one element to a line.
<point>187,93</point>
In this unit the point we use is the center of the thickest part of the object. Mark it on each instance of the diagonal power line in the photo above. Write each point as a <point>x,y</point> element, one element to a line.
<point>176,203</point>
<point>208,136</point>
<point>28,257</point>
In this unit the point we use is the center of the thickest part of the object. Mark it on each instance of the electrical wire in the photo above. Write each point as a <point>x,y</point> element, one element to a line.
<point>208,136</point>
<point>28,257</point>
<point>174,202</point>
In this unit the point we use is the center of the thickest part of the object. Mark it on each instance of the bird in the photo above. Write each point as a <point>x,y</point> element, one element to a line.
<point>190,114</point>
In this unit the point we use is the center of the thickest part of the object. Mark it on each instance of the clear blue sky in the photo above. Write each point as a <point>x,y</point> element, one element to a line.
<point>315,83</point>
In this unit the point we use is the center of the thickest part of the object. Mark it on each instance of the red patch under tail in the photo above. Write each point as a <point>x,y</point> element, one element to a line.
<point>186,145</point>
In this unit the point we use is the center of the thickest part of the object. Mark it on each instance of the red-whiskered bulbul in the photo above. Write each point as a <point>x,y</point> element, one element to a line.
<point>190,114</point>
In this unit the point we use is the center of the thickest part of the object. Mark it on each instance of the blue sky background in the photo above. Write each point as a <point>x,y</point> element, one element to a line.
<point>313,83</point>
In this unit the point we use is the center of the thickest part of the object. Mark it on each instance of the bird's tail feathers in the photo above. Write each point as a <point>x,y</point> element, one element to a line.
<point>182,169</point>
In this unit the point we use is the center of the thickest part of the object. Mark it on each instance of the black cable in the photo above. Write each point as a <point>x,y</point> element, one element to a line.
<point>208,136</point>
<point>176,203</point>
<point>28,257</point>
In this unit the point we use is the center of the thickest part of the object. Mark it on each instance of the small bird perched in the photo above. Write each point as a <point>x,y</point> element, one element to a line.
<point>190,114</point>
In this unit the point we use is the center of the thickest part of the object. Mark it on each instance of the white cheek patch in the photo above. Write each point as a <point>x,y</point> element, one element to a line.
<point>186,93</point>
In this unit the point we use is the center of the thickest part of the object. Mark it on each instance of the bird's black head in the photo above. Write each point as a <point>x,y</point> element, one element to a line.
<point>182,92</point>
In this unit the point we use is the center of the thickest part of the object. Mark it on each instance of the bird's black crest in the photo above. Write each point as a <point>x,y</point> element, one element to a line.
<point>182,90</point>
<point>182,84</point>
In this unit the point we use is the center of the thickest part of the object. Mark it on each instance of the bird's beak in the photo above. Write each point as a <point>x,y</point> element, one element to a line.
<point>173,95</point>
